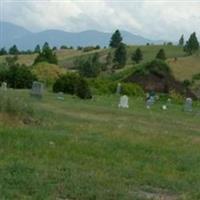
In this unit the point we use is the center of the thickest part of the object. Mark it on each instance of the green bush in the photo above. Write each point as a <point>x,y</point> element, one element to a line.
<point>16,75</point>
<point>74,84</point>
<point>104,86</point>
<point>132,89</point>
<point>157,66</point>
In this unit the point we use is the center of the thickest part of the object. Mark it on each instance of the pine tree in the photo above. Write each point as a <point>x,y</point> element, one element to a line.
<point>3,52</point>
<point>46,55</point>
<point>120,56</point>
<point>137,55</point>
<point>13,50</point>
<point>37,49</point>
<point>116,39</point>
<point>192,45</point>
<point>181,41</point>
<point>161,55</point>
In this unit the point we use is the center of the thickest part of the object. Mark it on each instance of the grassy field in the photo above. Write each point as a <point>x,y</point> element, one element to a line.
<point>88,150</point>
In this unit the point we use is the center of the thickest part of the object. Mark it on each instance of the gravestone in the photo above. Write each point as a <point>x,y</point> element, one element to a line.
<point>60,96</point>
<point>37,89</point>
<point>149,102</point>
<point>118,91</point>
<point>4,86</point>
<point>188,105</point>
<point>123,103</point>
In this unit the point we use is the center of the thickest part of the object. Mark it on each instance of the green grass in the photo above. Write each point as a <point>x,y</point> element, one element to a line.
<point>93,150</point>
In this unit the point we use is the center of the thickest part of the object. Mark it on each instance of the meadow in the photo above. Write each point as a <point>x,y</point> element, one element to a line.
<point>90,149</point>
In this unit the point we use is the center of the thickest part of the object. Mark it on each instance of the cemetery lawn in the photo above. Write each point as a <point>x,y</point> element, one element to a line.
<point>87,150</point>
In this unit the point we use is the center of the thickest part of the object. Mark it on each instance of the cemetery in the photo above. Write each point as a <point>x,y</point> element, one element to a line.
<point>99,115</point>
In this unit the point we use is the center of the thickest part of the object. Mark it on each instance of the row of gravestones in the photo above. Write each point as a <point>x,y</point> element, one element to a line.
<point>38,89</point>
<point>150,101</point>
<point>124,103</point>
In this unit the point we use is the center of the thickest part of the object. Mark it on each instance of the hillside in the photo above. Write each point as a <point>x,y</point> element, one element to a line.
<point>93,150</point>
<point>185,67</point>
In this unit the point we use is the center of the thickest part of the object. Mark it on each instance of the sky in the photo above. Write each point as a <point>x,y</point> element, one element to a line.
<point>154,19</point>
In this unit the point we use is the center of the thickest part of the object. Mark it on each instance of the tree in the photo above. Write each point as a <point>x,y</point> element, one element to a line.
<point>181,41</point>
<point>137,55</point>
<point>192,45</point>
<point>37,49</point>
<point>161,55</point>
<point>16,75</point>
<point>116,39</point>
<point>13,50</point>
<point>3,52</point>
<point>120,56</point>
<point>47,73</point>
<point>90,67</point>
<point>46,55</point>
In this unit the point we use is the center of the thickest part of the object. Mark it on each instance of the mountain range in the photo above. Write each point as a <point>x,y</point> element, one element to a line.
<point>11,34</point>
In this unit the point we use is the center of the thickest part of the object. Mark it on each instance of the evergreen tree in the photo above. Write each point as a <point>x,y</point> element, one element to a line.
<point>3,52</point>
<point>13,50</point>
<point>161,55</point>
<point>192,45</point>
<point>116,39</point>
<point>37,49</point>
<point>137,55</point>
<point>90,67</point>
<point>120,56</point>
<point>46,55</point>
<point>181,41</point>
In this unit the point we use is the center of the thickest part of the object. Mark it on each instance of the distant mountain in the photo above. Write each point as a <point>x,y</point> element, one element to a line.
<point>24,39</point>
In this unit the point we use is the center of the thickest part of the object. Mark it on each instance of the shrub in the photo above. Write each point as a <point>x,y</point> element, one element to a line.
<point>177,97</point>
<point>101,86</point>
<point>47,73</point>
<point>89,67</point>
<point>74,84</point>
<point>132,89</point>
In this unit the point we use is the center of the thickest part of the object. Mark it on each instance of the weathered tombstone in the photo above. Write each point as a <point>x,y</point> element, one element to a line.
<point>188,105</point>
<point>60,96</point>
<point>4,86</point>
<point>123,103</point>
<point>118,91</point>
<point>37,89</point>
<point>149,102</point>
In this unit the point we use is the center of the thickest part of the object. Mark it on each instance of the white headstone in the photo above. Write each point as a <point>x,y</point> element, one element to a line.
<point>123,103</point>
<point>60,96</point>
<point>188,105</point>
<point>4,86</point>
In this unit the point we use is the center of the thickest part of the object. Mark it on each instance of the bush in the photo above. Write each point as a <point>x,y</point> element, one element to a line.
<point>157,67</point>
<point>90,67</point>
<point>47,73</point>
<point>16,76</point>
<point>72,83</point>
<point>177,97</point>
<point>101,86</point>
<point>132,89</point>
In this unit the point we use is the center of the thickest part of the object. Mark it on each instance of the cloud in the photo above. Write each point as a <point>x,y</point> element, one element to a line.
<point>150,18</point>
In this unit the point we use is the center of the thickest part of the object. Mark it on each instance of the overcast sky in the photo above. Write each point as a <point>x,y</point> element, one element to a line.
<point>154,19</point>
